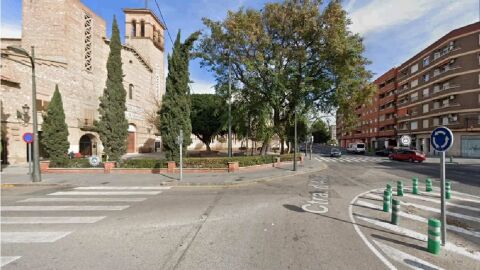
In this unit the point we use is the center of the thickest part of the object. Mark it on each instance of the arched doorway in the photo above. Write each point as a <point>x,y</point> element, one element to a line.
<point>87,145</point>
<point>132,129</point>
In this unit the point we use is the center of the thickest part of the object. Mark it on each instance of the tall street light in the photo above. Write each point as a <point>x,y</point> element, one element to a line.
<point>229,108</point>
<point>295,141</point>
<point>36,176</point>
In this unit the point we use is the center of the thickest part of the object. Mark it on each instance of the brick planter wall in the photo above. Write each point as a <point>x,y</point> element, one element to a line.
<point>44,166</point>
<point>108,166</point>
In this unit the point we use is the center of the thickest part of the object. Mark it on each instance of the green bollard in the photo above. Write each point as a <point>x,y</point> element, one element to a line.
<point>448,190</point>
<point>415,186</point>
<point>399,188</point>
<point>386,201</point>
<point>389,188</point>
<point>428,187</point>
<point>395,211</point>
<point>434,235</point>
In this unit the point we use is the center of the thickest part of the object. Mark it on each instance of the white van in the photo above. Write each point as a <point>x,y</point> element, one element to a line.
<point>357,148</point>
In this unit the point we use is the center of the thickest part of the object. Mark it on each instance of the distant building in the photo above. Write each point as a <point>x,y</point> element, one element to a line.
<point>439,86</point>
<point>71,50</point>
<point>333,133</point>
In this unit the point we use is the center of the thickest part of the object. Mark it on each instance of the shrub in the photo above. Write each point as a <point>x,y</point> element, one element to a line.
<point>74,163</point>
<point>143,163</point>
<point>289,157</point>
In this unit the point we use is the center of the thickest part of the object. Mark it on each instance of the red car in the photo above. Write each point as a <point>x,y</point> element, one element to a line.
<point>407,154</point>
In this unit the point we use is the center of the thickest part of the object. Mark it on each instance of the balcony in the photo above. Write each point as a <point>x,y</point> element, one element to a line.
<point>386,133</point>
<point>387,99</point>
<point>86,124</point>
<point>386,122</point>
<point>388,87</point>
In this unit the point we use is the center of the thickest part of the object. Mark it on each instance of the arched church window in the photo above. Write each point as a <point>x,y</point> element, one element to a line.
<point>142,28</point>
<point>134,28</point>
<point>130,91</point>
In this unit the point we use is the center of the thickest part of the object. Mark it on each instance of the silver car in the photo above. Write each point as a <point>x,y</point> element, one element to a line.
<point>335,152</point>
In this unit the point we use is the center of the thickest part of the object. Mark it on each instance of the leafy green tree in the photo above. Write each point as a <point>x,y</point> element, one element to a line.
<point>320,131</point>
<point>289,56</point>
<point>113,126</point>
<point>175,112</point>
<point>55,131</point>
<point>208,116</point>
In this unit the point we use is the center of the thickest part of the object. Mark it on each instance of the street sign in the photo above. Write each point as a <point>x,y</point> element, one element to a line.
<point>406,140</point>
<point>442,139</point>
<point>27,137</point>
<point>94,161</point>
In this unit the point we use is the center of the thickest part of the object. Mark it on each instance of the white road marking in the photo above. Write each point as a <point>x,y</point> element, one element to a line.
<point>50,220</point>
<point>122,188</point>
<point>4,260</point>
<point>448,213</point>
<point>88,193</point>
<point>65,208</point>
<point>32,237</point>
<point>83,200</point>
<point>404,258</point>
<point>476,209</point>
<point>362,236</point>
<point>422,237</point>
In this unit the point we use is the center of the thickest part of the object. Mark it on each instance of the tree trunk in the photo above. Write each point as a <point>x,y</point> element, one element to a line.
<point>208,147</point>
<point>282,146</point>
<point>264,147</point>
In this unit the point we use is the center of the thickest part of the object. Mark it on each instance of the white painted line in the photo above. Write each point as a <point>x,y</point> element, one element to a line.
<point>65,208</point>
<point>418,218</point>
<point>89,193</point>
<point>476,209</point>
<point>32,237</point>
<point>122,188</point>
<point>422,237</point>
<point>4,260</point>
<point>318,159</point>
<point>404,258</point>
<point>83,200</point>
<point>50,220</point>
<point>362,236</point>
<point>448,213</point>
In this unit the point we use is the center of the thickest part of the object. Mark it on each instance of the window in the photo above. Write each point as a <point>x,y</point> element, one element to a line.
<point>426,61</point>
<point>130,91</point>
<point>425,108</point>
<point>414,83</point>
<point>414,68</point>
<point>425,92</point>
<point>134,28</point>
<point>413,125</point>
<point>436,105</point>
<point>414,96</point>
<point>445,120</point>
<point>426,77</point>
<point>42,105</point>
<point>446,85</point>
<point>88,42</point>
<point>436,88</point>
<point>436,55</point>
<point>142,28</point>
<point>425,123</point>
<point>436,121</point>
<point>479,58</point>
<point>478,78</point>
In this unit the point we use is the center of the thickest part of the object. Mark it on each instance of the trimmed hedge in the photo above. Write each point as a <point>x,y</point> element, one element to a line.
<point>143,163</point>
<point>74,163</point>
<point>289,157</point>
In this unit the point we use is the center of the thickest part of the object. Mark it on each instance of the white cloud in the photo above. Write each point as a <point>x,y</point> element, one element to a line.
<point>10,30</point>
<point>202,87</point>
<point>379,15</point>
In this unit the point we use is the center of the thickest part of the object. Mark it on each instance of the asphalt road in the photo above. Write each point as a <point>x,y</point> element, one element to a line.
<point>257,226</point>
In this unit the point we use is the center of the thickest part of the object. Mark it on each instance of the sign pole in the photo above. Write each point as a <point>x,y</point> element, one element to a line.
<point>442,190</point>
<point>180,141</point>
<point>29,147</point>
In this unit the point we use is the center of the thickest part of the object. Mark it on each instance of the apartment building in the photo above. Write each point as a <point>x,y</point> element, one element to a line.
<point>376,119</point>
<point>440,86</point>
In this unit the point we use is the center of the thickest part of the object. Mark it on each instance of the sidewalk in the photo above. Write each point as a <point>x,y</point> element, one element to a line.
<point>19,176</point>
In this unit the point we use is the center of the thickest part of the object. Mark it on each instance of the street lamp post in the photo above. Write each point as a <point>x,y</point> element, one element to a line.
<point>229,108</point>
<point>36,176</point>
<point>295,142</point>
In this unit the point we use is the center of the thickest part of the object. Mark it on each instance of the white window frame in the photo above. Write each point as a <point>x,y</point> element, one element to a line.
<point>426,92</point>
<point>426,61</point>
<point>414,83</point>
<point>414,125</point>
<point>414,68</point>
<point>425,108</point>
<point>425,123</point>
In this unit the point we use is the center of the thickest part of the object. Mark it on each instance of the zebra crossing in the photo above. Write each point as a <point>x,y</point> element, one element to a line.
<point>394,245</point>
<point>352,159</point>
<point>55,209</point>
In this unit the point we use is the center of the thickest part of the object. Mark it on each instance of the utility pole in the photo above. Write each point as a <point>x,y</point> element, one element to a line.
<point>229,108</point>
<point>295,142</point>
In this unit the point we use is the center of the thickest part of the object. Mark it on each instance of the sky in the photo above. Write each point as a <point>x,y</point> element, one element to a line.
<point>392,30</point>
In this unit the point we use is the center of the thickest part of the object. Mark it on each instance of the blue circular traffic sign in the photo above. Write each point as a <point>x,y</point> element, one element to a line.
<point>27,137</point>
<point>441,139</point>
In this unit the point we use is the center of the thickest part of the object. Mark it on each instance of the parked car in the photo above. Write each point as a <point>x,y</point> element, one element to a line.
<point>335,152</point>
<point>407,154</point>
<point>356,148</point>
<point>384,152</point>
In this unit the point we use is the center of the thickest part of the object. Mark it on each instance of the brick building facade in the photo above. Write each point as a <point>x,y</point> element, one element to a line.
<point>71,50</point>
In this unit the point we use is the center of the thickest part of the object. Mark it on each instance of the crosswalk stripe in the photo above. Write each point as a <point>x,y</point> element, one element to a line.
<point>64,208</point>
<point>32,237</point>
<point>50,220</point>
<point>4,260</point>
<point>83,200</point>
<point>125,193</point>
<point>476,209</point>
<point>418,218</point>
<point>405,258</point>
<point>122,188</point>
<point>448,213</point>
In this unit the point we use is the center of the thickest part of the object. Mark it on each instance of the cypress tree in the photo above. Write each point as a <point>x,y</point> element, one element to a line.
<point>113,126</point>
<point>55,131</point>
<point>175,112</point>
